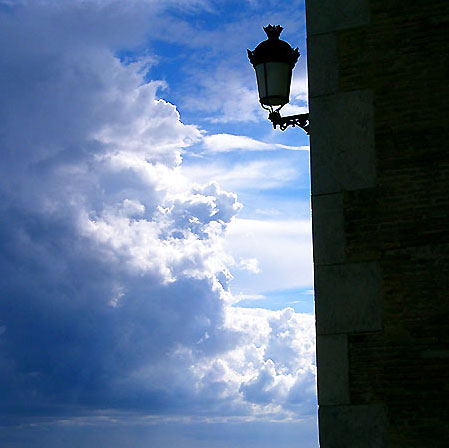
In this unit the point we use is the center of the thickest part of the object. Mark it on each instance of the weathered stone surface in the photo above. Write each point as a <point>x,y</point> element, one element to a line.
<point>342,138</point>
<point>381,141</point>
<point>347,298</point>
<point>323,64</point>
<point>333,379</point>
<point>328,231</point>
<point>328,15</point>
<point>352,426</point>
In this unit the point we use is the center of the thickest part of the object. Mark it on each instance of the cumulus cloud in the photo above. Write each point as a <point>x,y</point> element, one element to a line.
<point>114,272</point>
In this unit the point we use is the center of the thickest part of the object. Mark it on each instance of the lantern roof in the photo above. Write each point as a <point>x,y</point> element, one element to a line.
<point>273,49</point>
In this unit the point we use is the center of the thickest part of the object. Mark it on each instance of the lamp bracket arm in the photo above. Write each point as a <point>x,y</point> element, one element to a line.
<point>301,120</point>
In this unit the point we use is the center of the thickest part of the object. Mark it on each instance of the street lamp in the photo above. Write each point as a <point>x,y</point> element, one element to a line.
<point>273,60</point>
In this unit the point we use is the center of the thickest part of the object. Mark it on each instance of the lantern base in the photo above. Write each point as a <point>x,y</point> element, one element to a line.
<point>301,120</point>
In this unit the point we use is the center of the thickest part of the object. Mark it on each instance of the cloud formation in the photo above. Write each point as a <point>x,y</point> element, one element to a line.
<point>114,276</point>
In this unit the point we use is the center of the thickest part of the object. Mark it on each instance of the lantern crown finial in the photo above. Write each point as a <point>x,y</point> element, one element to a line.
<point>273,32</point>
<point>273,49</point>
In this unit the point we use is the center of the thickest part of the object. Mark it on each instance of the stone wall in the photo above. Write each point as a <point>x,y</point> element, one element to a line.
<point>379,113</point>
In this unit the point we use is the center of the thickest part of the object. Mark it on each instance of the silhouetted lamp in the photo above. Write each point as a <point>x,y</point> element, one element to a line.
<point>273,60</point>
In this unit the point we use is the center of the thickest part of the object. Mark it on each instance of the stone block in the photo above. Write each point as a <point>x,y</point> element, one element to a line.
<point>330,15</point>
<point>362,426</point>
<point>342,146</point>
<point>333,371</point>
<point>322,64</point>
<point>328,229</point>
<point>347,298</point>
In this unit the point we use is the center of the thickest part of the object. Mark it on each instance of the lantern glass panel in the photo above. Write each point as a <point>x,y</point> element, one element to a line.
<point>273,81</point>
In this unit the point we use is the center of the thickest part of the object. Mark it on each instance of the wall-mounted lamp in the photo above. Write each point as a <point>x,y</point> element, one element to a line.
<point>273,60</point>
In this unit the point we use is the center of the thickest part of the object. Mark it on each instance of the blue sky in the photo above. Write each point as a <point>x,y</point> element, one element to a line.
<point>156,268</point>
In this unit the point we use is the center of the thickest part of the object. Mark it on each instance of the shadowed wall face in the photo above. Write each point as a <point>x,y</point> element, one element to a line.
<point>379,95</point>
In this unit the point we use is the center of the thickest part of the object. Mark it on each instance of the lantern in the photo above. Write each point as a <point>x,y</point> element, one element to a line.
<point>273,60</point>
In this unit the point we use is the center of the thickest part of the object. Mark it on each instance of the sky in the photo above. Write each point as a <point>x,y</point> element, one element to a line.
<point>156,280</point>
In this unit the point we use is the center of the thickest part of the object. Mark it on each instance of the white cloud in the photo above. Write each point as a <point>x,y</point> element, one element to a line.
<point>299,90</point>
<point>231,97</point>
<point>280,349</point>
<point>250,265</point>
<point>257,174</point>
<point>283,250</point>
<point>294,109</point>
<point>229,142</point>
<point>242,297</point>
